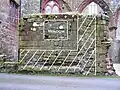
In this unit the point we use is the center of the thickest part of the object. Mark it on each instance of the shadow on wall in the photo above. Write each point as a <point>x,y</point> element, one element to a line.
<point>115,51</point>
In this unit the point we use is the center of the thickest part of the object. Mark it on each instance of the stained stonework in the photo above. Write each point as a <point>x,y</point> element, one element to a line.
<point>8,32</point>
<point>89,58</point>
<point>114,50</point>
<point>30,7</point>
<point>50,32</point>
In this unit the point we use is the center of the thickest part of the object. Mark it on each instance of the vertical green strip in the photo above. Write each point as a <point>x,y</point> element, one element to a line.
<point>41,5</point>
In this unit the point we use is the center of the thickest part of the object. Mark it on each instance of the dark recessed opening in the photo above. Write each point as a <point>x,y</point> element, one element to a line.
<point>46,36</point>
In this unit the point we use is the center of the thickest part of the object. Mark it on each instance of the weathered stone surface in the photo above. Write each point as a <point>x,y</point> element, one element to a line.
<point>30,7</point>
<point>81,60</point>
<point>8,33</point>
<point>52,32</point>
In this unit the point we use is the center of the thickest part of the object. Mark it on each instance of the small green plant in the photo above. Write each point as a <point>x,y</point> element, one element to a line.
<point>21,23</point>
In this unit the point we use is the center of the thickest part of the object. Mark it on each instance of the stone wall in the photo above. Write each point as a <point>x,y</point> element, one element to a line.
<point>30,7</point>
<point>90,55</point>
<point>8,32</point>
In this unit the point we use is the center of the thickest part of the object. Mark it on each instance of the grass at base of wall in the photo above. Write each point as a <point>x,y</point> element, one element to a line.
<point>14,69</point>
<point>48,73</point>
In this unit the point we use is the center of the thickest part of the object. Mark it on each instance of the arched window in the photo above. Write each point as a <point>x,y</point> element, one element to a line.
<point>51,7</point>
<point>103,6</point>
<point>48,9</point>
<point>92,9</point>
<point>55,9</point>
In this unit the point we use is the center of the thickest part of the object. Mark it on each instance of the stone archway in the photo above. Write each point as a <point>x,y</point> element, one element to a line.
<point>101,3</point>
<point>116,45</point>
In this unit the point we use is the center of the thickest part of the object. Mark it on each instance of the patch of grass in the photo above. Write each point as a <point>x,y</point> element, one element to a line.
<point>15,69</point>
<point>49,73</point>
